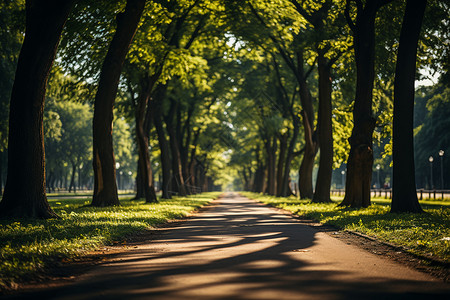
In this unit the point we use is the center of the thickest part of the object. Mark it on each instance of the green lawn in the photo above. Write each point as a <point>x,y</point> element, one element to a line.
<point>29,247</point>
<point>426,234</point>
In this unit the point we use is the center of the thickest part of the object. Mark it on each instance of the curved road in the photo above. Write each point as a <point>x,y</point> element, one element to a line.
<point>240,249</point>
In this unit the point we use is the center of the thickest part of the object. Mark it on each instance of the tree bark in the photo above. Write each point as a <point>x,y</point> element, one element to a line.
<point>144,106</point>
<point>145,170</point>
<point>139,184</point>
<point>281,164</point>
<point>178,184</point>
<point>72,179</point>
<point>1,173</point>
<point>25,194</point>
<point>184,149</point>
<point>286,191</point>
<point>270,146</point>
<point>306,167</point>
<point>360,160</point>
<point>192,161</point>
<point>404,195</point>
<point>162,140</point>
<point>105,187</point>
<point>325,132</point>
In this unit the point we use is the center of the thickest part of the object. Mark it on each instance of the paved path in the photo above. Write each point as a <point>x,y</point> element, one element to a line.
<point>239,249</point>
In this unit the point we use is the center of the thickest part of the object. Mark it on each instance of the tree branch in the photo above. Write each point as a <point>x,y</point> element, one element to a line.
<point>382,3</point>
<point>310,69</point>
<point>286,57</point>
<point>196,32</point>
<point>303,12</point>
<point>347,16</point>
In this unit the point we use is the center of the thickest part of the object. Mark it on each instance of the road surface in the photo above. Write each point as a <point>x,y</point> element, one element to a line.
<point>240,249</point>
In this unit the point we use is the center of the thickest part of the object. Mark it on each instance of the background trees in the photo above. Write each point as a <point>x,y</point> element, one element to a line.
<point>258,87</point>
<point>11,37</point>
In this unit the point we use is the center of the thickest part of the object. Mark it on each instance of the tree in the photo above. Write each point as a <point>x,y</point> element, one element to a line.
<point>11,37</point>
<point>105,189</point>
<point>76,141</point>
<point>431,132</point>
<point>325,19</point>
<point>360,160</point>
<point>404,195</point>
<point>52,136</point>
<point>25,194</point>
<point>294,57</point>
<point>325,131</point>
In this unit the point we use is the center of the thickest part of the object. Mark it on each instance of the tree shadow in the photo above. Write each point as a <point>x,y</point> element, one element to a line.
<point>238,250</point>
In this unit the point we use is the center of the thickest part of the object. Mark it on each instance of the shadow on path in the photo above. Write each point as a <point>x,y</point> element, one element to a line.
<point>238,249</point>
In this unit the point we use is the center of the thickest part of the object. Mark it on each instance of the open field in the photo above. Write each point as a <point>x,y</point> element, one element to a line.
<point>29,247</point>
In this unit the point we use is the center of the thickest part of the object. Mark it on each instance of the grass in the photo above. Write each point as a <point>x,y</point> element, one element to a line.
<point>86,193</point>
<point>30,247</point>
<point>426,234</point>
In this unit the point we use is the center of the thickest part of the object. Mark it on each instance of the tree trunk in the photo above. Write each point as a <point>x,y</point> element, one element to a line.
<point>191,165</point>
<point>163,145</point>
<point>53,183</point>
<point>25,194</point>
<point>178,184</point>
<point>290,155</point>
<point>305,179</point>
<point>72,179</point>
<point>259,176</point>
<point>184,149</point>
<point>404,195</point>
<point>145,170</point>
<point>281,164</point>
<point>145,185</point>
<point>1,173</point>
<point>105,188</point>
<point>80,179</point>
<point>360,160</point>
<point>325,132</point>
<point>271,151</point>
<point>139,184</point>
<point>307,165</point>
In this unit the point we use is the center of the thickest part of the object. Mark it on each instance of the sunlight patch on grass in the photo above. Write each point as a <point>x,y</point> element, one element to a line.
<point>426,234</point>
<point>30,246</point>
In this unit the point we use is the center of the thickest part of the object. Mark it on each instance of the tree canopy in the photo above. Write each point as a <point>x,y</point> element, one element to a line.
<point>277,97</point>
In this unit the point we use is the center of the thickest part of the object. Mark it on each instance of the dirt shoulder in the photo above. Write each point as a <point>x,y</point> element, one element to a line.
<point>429,265</point>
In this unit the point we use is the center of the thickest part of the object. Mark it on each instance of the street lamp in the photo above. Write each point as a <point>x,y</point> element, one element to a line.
<point>118,175</point>
<point>441,154</point>
<point>342,178</point>
<point>430,159</point>
<point>378,169</point>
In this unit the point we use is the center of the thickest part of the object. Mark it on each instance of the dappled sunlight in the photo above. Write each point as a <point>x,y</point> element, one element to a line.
<point>239,249</point>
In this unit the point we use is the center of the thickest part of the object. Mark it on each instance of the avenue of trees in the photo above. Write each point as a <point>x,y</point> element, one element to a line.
<point>182,96</point>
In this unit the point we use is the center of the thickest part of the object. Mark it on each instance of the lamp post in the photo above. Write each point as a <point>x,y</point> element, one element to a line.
<point>378,171</point>
<point>441,154</point>
<point>430,159</point>
<point>118,176</point>
<point>130,180</point>
<point>343,178</point>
